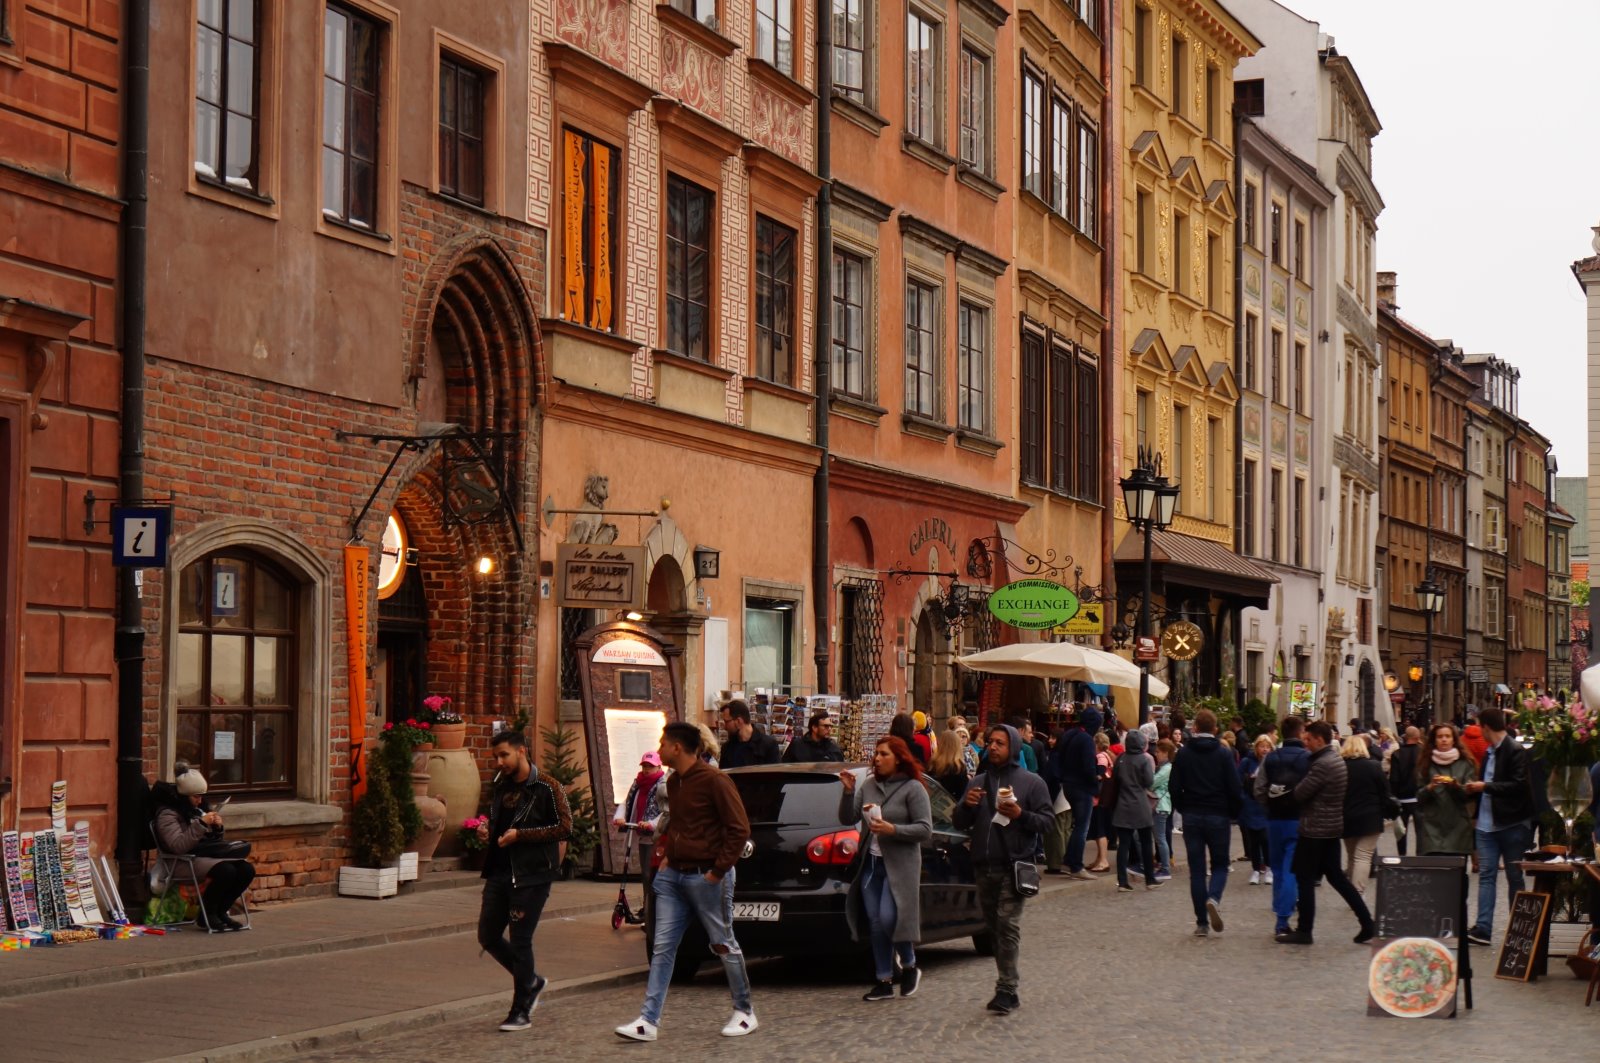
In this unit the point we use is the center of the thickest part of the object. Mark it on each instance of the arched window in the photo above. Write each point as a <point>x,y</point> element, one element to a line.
<point>234,680</point>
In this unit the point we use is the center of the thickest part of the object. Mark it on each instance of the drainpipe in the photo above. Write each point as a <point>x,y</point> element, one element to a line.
<point>1241,689</point>
<point>821,564</point>
<point>129,641</point>
<point>1111,243</point>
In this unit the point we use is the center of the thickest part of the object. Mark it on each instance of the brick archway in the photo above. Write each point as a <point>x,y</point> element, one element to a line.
<point>477,327</point>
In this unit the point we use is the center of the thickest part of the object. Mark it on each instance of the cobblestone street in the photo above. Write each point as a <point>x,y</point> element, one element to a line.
<point>1122,971</point>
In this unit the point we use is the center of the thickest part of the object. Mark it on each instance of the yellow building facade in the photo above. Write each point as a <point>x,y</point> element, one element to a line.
<point>1176,212</point>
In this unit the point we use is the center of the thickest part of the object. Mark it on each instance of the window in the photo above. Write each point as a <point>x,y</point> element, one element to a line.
<point>1299,249</point>
<point>234,674</point>
<point>975,110</point>
<point>461,107</point>
<point>922,309</point>
<point>1251,327</point>
<point>1034,369</point>
<point>851,274</point>
<point>1214,468</point>
<point>1299,555</point>
<point>1248,214</point>
<point>1277,366</point>
<point>1141,46</point>
<point>1087,421</point>
<point>1144,222</point>
<point>350,57</point>
<point>922,78</point>
<point>1275,500</point>
<point>1213,117</point>
<point>775,34</point>
<point>1491,610</point>
<point>1215,281</point>
<point>1141,420</point>
<point>1250,97</point>
<point>1061,156</point>
<point>1248,503</point>
<point>689,223</point>
<point>775,265</point>
<point>768,642</point>
<point>1088,180</point>
<point>1299,377</point>
<point>972,368</point>
<point>1061,417</point>
<point>851,27</point>
<point>1180,448</point>
<point>1277,233</point>
<point>1180,252</point>
<point>860,637</point>
<point>1032,134</point>
<point>589,232</point>
<point>226,93</point>
<point>1180,74</point>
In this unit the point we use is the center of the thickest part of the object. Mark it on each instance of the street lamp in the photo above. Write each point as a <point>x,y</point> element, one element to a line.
<point>1430,599</point>
<point>1151,502</point>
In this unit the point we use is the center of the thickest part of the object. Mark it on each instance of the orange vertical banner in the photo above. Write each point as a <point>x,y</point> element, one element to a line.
<point>574,281</point>
<point>600,316</point>
<point>357,578</point>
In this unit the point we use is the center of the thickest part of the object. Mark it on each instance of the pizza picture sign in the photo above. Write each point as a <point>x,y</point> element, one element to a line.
<point>1412,978</point>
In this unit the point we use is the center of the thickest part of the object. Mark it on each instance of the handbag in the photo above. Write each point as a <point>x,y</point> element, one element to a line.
<point>1027,878</point>
<point>220,848</point>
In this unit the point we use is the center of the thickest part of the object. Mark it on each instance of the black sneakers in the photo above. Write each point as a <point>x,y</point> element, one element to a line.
<point>517,1020</point>
<point>1368,932</point>
<point>910,980</point>
<point>880,991</point>
<point>538,991</point>
<point>1294,937</point>
<point>1004,1003</point>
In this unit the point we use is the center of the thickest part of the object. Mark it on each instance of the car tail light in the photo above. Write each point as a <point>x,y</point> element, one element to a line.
<point>836,849</point>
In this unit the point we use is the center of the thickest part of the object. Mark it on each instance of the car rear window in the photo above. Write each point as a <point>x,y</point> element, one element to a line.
<point>782,800</point>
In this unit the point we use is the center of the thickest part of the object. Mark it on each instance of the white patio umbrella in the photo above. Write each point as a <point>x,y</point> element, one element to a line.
<point>1589,687</point>
<point>1062,660</point>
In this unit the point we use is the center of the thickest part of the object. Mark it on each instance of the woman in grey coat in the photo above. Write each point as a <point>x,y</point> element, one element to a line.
<point>896,819</point>
<point>1134,814</point>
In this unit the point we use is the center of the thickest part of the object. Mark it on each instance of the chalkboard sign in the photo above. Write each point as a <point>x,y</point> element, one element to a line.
<point>1530,920</point>
<point>1421,896</point>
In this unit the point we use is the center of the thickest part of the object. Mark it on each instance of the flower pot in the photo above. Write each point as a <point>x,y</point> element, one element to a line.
<point>450,735</point>
<point>454,779</point>
<point>424,746</point>
<point>377,882</point>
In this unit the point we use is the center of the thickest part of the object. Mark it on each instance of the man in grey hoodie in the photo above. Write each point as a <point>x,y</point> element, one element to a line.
<point>1007,808</point>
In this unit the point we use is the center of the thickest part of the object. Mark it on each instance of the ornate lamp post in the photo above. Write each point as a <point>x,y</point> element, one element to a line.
<point>1151,502</point>
<point>1430,599</point>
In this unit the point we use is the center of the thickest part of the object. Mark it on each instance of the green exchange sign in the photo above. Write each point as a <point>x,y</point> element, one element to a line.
<point>1033,604</point>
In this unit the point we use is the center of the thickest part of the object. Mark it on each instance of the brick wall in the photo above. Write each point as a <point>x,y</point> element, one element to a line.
<point>59,127</point>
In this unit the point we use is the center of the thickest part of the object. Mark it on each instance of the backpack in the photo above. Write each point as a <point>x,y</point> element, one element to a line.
<point>1281,771</point>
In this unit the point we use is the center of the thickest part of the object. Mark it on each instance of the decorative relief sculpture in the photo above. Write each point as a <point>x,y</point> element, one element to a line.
<point>590,526</point>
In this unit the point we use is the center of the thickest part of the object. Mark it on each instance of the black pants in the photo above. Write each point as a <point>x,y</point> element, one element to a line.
<point>1316,858</point>
<point>225,883</point>
<point>520,909</point>
<point>1136,843</point>
<point>1255,846</point>
<point>1408,814</point>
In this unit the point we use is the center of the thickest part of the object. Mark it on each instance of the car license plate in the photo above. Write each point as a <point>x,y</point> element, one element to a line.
<point>760,911</point>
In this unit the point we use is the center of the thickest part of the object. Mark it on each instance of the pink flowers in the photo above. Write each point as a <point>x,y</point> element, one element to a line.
<point>474,822</point>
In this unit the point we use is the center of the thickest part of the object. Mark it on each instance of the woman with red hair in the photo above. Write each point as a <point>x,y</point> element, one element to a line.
<point>892,806</point>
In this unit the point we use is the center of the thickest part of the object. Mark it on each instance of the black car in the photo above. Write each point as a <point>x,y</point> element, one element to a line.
<point>790,884</point>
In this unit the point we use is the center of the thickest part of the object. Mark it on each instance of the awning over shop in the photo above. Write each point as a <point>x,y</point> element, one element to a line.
<point>1190,562</point>
<point>1501,688</point>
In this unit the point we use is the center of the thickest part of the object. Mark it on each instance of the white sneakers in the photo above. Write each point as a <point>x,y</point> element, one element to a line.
<point>1255,878</point>
<point>1266,877</point>
<point>743,1022</point>
<point>637,1030</point>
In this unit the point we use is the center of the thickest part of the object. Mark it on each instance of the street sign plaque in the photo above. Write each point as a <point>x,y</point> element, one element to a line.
<point>1182,641</point>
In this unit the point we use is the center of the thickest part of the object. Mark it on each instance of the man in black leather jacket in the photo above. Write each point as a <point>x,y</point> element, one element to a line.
<point>528,820</point>
<point>1505,817</point>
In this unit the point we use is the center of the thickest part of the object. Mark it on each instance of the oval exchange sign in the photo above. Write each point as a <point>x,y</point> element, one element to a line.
<point>1033,604</point>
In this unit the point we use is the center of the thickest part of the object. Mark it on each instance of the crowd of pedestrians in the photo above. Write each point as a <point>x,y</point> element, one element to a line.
<point>1310,808</point>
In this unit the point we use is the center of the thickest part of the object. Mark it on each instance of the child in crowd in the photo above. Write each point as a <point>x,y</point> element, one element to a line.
<point>1164,751</point>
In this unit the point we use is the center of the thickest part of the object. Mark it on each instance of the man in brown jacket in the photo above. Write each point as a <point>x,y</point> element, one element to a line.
<point>706,833</point>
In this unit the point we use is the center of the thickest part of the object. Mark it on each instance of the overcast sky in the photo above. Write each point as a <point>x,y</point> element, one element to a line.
<point>1489,166</point>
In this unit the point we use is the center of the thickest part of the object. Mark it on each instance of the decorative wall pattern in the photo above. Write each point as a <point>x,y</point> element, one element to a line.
<point>692,74</point>
<point>599,27</point>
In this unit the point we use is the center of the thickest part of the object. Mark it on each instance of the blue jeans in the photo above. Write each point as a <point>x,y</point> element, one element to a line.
<point>1163,842</point>
<point>1082,812</point>
<point>878,903</point>
<point>1282,835</point>
<point>1508,843</point>
<point>679,896</point>
<point>1206,835</point>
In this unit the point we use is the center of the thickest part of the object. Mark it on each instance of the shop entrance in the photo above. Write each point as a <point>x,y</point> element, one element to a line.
<point>402,662</point>
<point>933,682</point>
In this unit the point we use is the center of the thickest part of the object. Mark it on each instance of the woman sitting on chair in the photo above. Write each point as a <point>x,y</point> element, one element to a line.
<point>184,826</point>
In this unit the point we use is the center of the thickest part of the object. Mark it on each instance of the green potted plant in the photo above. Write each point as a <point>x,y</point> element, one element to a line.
<point>386,818</point>
<point>560,762</point>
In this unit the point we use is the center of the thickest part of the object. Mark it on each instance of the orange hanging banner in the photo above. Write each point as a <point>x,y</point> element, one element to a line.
<point>600,317</point>
<point>357,580</point>
<point>574,280</point>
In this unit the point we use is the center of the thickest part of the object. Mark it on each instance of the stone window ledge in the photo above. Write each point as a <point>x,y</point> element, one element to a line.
<point>262,815</point>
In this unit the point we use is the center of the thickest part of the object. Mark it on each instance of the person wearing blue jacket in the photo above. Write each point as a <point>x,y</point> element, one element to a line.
<point>1076,772</point>
<point>1006,808</point>
<point>1280,772</point>
<point>1205,791</point>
